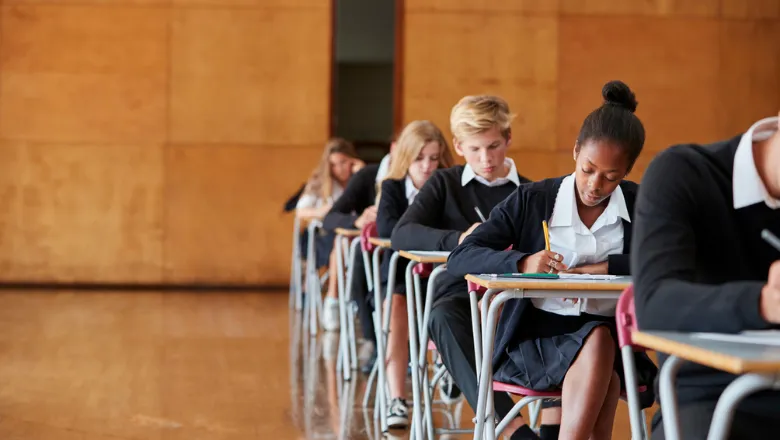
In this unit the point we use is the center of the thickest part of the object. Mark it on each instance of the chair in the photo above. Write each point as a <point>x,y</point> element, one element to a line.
<point>625,317</point>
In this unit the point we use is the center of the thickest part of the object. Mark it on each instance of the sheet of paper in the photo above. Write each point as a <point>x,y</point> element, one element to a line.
<point>761,337</point>
<point>570,257</point>
<point>585,276</point>
<point>432,253</point>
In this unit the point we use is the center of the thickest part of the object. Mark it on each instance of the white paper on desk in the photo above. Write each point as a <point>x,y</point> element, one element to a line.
<point>761,337</point>
<point>585,276</point>
<point>570,257</point>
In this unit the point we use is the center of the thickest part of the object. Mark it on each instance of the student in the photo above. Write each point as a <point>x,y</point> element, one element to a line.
<point>326,184</point>
<point>559,344</point>
<point>701,266</point>
<point>354,210</point>
<point>443,214</point>
<point>420,150</point>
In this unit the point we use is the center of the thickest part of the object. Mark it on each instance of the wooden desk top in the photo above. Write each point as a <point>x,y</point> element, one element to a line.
<point>348,232</point>
<point>425,256</point>
<point>380,242</point>
<point>492,282</point>
<point>733,357</point>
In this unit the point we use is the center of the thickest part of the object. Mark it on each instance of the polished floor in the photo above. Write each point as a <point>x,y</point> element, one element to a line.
<point>175,365</point>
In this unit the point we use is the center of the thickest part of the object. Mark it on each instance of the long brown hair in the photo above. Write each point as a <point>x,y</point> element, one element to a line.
<point>411,141</point>
<point>320,183</point>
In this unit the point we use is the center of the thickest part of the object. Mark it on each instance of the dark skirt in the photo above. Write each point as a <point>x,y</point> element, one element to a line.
<point>323,243</point>
<point>547,344</point>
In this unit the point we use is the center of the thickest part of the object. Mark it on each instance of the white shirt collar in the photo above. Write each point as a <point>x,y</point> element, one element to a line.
<point>565,208</point>
<point>469,175</point>
<point>384,167</point>
<point>747,185</point>
<point>411,191</point>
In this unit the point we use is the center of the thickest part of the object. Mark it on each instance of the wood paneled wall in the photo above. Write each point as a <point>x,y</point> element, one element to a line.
<point>154,141</point>
<point>702,69</point>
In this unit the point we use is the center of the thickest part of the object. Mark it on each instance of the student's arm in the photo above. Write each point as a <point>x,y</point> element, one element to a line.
<point>349,206</point>
<point>307,207</point>
<point>417,228</point>
<point>292,203</point>
<point>663,258</point>
<point>392,206</point>
<point>483,251</point>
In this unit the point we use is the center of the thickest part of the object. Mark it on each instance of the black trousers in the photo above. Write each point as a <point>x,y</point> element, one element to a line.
<point>450,328</point>
<point>695,419</point>
<point>363,298</point>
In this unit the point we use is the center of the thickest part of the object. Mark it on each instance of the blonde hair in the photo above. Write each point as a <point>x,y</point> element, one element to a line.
<point>410,143</point>
<point>479,113</point>
<point>320,183</point>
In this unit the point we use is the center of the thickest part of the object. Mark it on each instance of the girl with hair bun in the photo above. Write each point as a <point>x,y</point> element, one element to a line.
<point>565,344</point>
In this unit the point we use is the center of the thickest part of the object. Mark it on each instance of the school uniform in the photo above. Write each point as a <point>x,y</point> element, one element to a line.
<point>323,240</point>
<point>397,195</point>
<point>700,265</point>
<point>359,194</point>
<point>442,211</point>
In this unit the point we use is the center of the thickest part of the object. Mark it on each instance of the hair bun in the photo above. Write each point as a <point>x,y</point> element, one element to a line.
<point>617,93</point>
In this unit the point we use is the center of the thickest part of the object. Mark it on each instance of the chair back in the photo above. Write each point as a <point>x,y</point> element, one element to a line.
<point>368,231</point>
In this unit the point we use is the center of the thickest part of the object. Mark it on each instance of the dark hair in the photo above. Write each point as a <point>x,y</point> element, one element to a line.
<point>615,120</point>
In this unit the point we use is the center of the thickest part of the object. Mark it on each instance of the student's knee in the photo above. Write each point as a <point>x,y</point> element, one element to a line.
<point>600,339</point>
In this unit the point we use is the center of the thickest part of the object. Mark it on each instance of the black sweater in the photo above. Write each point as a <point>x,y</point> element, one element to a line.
<point>700,264</point>
<point>392,206</point>
<point>359,194</point>
<point>442,211</point>
<point>517,221</point>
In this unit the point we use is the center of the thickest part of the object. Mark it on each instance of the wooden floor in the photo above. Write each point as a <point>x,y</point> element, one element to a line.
<point>164,365</point>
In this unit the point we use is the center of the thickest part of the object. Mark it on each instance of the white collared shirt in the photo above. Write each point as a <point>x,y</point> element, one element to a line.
<point>411,190</point>
<point>747,185</point>
<point>312,201</point>
<point>580,246</point>
<point>384,167</point>
<point>469,175</point>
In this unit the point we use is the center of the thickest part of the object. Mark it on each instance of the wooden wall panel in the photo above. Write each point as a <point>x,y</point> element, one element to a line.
<point>670,64</point>
<point>148,141</point>
<point>749,76</point>
<point>231,83</point>
<point>224,211</point>
<point>83,74</point>
<point>750,9</point>
<point>688,8</point>
<point>702,69</point>
<point>83,213</point>
<point>437,75</point>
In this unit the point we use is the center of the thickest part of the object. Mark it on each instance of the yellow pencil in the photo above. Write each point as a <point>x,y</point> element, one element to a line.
<point>546,235</point>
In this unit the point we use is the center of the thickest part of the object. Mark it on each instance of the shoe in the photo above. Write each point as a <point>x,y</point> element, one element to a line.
<point>449,393</point>
<point>397,414</point>
<point>330,314</point>
<point>368,365</point>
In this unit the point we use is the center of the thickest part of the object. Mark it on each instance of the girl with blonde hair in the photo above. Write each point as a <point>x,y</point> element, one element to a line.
<point>421,149</point>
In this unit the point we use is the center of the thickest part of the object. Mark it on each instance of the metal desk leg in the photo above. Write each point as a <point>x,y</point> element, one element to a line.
<point>349,303</point>
<point>380,365</point>
<point>423,326</point>
<point>417,432</point>
<point>668,397</point>
<point>733,394</point>
<point>343,334</point>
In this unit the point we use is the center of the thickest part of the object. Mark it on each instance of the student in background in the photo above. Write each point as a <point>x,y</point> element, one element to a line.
<point>354,210</point>
<point>326,184</point>
<point>560,344</point>
<point>421,149</point>
<point>701,266</point>
<point>443,213</point>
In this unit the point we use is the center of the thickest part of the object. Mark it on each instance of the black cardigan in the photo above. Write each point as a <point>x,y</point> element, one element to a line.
<point>359,194</point>
<point>700,264</point>
<point>392,206</point>
<point>517,221</point>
